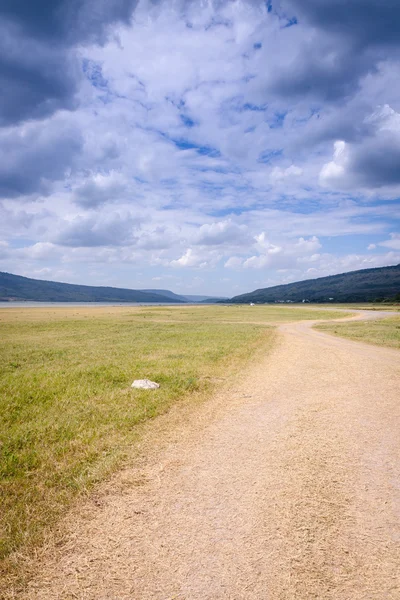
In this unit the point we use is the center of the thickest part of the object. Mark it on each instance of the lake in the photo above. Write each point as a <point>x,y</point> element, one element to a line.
<point>87,304</point>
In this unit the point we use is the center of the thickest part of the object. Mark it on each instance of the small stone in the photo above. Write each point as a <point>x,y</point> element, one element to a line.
<point>145,384</point>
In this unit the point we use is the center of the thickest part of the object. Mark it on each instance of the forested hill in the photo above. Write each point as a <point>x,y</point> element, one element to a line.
<point>15,287</point>
<point>188,297</point>
<point>367,285</point>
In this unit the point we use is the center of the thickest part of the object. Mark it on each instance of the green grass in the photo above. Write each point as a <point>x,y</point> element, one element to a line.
<point>235,313</point>
<point>68,416</point>
<point>67,413</point>
<point>368,306</point>
<point>385,332</point>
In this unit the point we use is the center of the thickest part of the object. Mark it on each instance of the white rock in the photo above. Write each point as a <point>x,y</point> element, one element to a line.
<point>145,384</point>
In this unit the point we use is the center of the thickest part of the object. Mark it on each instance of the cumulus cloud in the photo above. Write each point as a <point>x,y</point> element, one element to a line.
<point>158,238</point>
<point>330,264</point>
<point>115,229</point>
<point>234,262</point>
<point>278,174</point>
<point>171,139</point>
<point>36,154</point>
<point>41,251</point>
<point>365,22</point>
<point>283,255</point>
<point>100,188</point>
<point>39,69</point>
<point>371,162</point>
<point>393,242</point>
<point>342,42</point>
<point>196,259</point>
<point>320,69</point>
<point>223,232</point>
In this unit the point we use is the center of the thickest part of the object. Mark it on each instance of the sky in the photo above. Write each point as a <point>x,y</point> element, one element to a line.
<point>207,147</point>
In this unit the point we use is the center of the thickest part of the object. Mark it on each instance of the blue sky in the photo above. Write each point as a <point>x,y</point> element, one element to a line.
<point>207,147</point>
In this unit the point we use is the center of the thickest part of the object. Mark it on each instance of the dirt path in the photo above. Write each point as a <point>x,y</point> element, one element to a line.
<point>285,486</point>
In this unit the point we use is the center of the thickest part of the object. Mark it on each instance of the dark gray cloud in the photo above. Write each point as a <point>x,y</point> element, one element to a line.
<point>372,161</point>
<point>35,79</point>
<point>362,22</point>
<point>39,72</point>
<point>66,22</point>
<point>377,164</point>
<point>33,156</point>
<point>322,71</point>
<point>342,41</point>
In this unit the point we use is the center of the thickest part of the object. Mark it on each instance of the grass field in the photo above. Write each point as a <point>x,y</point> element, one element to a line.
<point>231,313</point>
<point>395,307</point>
<point>219,313</point>
<point>68,416</point>
<point>385,332</point>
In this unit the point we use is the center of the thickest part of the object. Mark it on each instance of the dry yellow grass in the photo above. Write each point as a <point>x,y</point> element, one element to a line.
<point>68,414</point>
<point>219,313</point>
<point>283,485</point>
<point>382,332</point>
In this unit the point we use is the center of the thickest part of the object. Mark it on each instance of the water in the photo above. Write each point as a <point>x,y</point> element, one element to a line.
<point>86,304</point>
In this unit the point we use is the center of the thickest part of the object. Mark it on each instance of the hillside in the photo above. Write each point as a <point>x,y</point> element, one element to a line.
<point>167,294</point>
<point>213,300</point>
<point>15,287</point>
<point>188,297</point>
<point>366,285</point>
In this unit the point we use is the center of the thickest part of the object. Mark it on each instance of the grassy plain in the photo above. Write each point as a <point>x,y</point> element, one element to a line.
<point>218,313</point>
<point>68,416</point>
<point>394,307</point>
<point>382,332</point>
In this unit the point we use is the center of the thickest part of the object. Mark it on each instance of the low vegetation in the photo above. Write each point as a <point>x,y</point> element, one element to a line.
<point>229,313</point>
<point>68,416</point>
<point>385,332</point>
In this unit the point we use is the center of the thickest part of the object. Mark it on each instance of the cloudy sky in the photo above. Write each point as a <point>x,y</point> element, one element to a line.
<point>201,146</point>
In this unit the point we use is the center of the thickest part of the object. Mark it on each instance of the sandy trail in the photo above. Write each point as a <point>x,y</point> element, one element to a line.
<point>284,486</point>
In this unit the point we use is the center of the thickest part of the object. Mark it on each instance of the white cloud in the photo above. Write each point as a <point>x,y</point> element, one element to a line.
<point>100,188</point>
<point>278,173</point>
<point>112,229</point>
<point>393,242</point>
<point>288,254</point>
<point>189,259</point>
<point>198,127</point>
<point>234,262</point>
<point>335,169</point>
<point>223,232</point>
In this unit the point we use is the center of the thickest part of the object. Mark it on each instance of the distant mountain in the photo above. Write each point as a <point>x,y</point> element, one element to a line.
<point>167,294</point>
<point>357,286</point>
<point>187,298</point>
<point>205,299</point>
<point>212,300</point>
<point>15,287</point>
